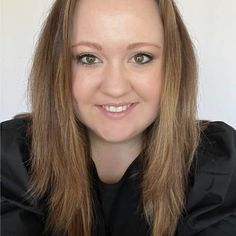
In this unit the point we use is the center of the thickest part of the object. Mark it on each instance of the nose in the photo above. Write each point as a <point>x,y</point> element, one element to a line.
<point>115,82</point>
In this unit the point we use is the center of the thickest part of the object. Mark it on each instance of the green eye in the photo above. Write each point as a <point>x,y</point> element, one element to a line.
<point>86,59</point>
<point>142,58</point>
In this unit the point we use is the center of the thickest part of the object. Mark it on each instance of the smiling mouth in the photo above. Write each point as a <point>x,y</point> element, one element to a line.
<point>116,109</point>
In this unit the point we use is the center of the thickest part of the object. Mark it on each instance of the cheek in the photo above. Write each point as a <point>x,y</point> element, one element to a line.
<point>77,92</point>
<point>81,95</point>
<point>150,87</point>
<point>154,87</point>
<point>83,86</point>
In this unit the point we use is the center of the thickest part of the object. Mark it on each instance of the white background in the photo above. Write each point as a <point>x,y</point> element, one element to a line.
<point>211,23</point>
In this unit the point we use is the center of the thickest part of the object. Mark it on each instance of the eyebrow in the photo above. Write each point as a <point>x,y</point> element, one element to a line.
<point>129,47</point>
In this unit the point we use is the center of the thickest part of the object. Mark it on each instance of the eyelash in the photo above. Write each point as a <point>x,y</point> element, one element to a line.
<point>78,58</point>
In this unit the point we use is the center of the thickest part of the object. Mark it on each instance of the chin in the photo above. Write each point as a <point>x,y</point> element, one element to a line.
<point>119,138</point>
<point>114,139</point>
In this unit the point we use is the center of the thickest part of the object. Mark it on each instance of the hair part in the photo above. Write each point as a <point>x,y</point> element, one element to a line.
<point>61,167</point>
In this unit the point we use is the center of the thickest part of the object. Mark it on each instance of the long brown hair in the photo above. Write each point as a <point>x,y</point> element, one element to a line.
<point>60,145</point>
<point>173,138</point>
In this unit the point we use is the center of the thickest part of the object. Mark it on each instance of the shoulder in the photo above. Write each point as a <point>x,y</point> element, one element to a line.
<point>216,158</point>
<point>15,156</point>
<point>15,125</point>
<point>217,148</point>
<point>15,138</point>
<point>211,200</point>
<point>218,135</point>
<point>18,208</point>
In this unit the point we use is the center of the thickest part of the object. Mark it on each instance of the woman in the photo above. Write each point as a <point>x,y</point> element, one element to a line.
<point>112,146</point>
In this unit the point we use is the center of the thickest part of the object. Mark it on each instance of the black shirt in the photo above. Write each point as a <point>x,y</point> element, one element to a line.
<point>107,194</point>
<point>211,200</point>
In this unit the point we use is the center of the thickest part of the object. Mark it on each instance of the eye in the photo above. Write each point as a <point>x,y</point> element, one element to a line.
<point>86,59</point>
<point>142,58</point>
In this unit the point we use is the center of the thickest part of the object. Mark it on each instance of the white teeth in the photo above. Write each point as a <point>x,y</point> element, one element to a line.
<point>116,108</point>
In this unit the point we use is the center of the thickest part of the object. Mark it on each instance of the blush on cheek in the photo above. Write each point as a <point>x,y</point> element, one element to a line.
<point>151,89</point>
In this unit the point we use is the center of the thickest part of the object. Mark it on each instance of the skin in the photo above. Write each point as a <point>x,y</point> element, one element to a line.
<point>115,74</point>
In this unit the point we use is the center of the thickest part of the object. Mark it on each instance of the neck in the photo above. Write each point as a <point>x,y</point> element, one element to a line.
<point>112,159</point>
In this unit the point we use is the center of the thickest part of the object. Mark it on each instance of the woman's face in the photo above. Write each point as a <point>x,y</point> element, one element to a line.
<point>117,66</point>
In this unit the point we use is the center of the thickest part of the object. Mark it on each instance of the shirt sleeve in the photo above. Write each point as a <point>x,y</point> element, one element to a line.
<point>211,201</point>
<point>20,215</point>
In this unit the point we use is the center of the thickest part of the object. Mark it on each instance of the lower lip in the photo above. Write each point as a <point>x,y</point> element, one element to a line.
<point>116,115</point>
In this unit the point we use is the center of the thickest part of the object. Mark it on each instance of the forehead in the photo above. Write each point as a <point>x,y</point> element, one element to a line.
<point>116,19</point>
